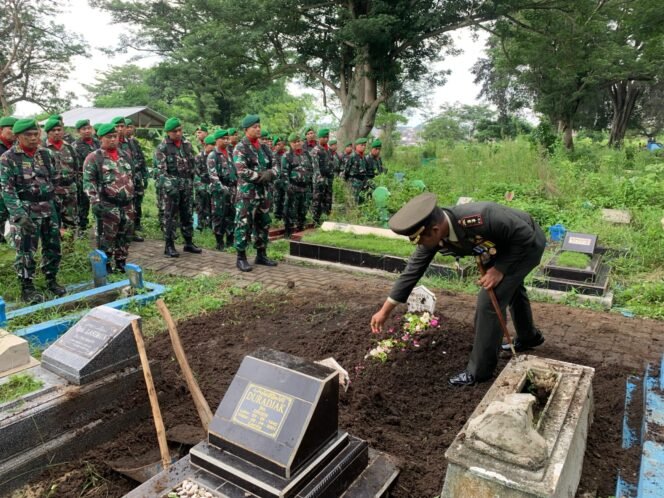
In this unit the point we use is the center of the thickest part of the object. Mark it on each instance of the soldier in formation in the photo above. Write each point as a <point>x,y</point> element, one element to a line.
<point>280,184</point>
<point>84,145</point>
<point>223,190</point>
<point>6,141</point>
<point>141,176</point>
<point>374,161</point>
<point>323,165</point>
<point>202,184</point>
<point>298,171</point>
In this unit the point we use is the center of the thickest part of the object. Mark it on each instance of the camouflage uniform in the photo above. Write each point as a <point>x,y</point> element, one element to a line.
<point>279,186</point>
<point>298,170</point>
<point>4,214</point>
<point>375,164</point>
<point>67,174</point>
<point>140,171</point>
<point>252,207</point>
<point>223,190</point>
<point>360,176</point>
<point>109,185</point>
<point>28,192</point>
<point>323,167</point>
<point>202,191</point>
<point>175,172</point>
<point>83,148</point>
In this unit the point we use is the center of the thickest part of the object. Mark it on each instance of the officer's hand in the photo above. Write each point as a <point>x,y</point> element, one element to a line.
<point>25,224</point>
<point>491,279</point>
<point>265,176</point>
<point>378,320</point>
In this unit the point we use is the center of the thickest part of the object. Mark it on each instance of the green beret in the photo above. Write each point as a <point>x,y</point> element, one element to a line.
<point>202,128</point>
<point>55,116</point>
<point>348,144</point>
<point>411,219</point>
<point>376,144</point>
<point>50,124</point>
<point>276,139</point>
<point>118,120</point>
<point>307,130</point>
<point>232,131</point>
<point>105,129</point>
<point>323,132</point>
<point>209,140</point>
<point>333,141</point>
<point>294,137</point>
<point>7,121</point>
<point>22,125</point>
<point>220,134</point>
<point>96,126</point>
<point>171,124</point>
<point>128,122</point>
<point>360,141</point>
<point>250,120</point>
<point>81,123</point>
<point>265,134</point>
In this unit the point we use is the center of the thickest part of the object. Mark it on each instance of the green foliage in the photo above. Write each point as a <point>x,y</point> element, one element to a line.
<point>573,259</point>
<point>457,122</point>
<point>19,385</point>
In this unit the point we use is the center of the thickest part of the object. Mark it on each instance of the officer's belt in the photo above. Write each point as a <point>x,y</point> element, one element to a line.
<point>30,197</point>
<point>116,202</point>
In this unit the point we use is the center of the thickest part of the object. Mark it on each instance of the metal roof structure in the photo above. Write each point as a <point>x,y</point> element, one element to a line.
<point>143,117</point>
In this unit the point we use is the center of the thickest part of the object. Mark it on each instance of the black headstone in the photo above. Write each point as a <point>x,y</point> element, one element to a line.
<point>278,412</point>
<point>580,242</point>
<point>102,342</point>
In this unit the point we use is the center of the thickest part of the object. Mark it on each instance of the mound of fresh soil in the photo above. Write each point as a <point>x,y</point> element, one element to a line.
<point>404,406</point>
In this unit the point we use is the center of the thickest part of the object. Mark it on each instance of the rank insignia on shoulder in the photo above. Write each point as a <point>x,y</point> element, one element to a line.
<point>474,220</point>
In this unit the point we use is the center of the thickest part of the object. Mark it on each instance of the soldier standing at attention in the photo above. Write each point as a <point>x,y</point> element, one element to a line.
<point>357,172</point>
<point>175,165</point>
<point>223,189</point>
<point>202,184</point>
<point>310,139</point>
<point>141,176</point>
<point>252,208</point>
<point>336,156</point>
<point>6,142</point>
<point>233,139</point>
<point>266,145</point>
<point>280,184</point>
<point>109,183</point>
<point>68,172</point>
<point>201,133</point>
<point>345,156</point>
<point>297,169</point>
<point>125,147</point>
<point>84,145</point>
<point>323,166</point>
<point>373,159</point>
<point>510,244</point>
<point>26,173</point>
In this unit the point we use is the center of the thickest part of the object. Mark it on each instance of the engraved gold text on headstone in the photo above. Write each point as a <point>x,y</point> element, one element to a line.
<point>262,410</point>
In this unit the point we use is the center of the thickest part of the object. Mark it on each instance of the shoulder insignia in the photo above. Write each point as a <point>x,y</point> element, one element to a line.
<point>474,220</point>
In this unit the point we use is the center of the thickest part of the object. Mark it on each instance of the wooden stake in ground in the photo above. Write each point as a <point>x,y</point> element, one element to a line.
<point>152,394</point>
<point>202,406</point>
<point>496,307</point>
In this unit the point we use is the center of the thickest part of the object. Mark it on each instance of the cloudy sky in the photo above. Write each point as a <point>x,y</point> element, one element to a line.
<point>97,29</point>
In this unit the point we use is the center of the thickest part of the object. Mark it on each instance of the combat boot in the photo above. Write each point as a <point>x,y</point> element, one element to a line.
<point>170,250</point>
<point>230,241</point>
<point>242,263</point>
<point>262,259</point>
<point>220,242</point>
<point>53,285</point>
<point>137,238</point>
<point>120,266</point>
<point>189,246</point>
<point>28,292</point>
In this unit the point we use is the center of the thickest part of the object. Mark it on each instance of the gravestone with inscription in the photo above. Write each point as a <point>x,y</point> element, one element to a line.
<point>421,299</point>
<point>98,261</point>
<point>102,342</point>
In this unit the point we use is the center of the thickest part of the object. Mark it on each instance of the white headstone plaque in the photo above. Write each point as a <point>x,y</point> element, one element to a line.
<point>464,200</point>
<point>421,299</point>
<point>14,353</point>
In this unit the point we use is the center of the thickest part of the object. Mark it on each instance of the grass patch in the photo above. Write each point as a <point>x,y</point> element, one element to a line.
<point>572,259</point>
<point>17,386</point>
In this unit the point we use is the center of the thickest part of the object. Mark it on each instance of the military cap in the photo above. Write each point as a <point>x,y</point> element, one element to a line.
<point>96,126</point>
<point>105,129</point>
<point>333,141</point>
<point>276,139</point>
<point>232,131</point>
<point>348,144</point>
<point>56,116</point>
<point>307,129</point>
<point>412,219</point>
<point>209,140</point>
<point>7,121</point>
<point>265,134</point>
<point>294,137</point>
<point>220,133</point>
<point>118,120</point>
<point>360,141</point>
<point>22,125</point>
<point>81,123</point>
<point>376,144</point>
<point>50,124</point>
<point>171,124</point>
<point>323,132</point>
<point>202,128</point>
<point>128,122</point>
<point>250,120</point>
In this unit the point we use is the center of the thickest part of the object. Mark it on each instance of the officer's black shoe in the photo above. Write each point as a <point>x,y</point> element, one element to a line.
<point>262,259</point>
<point>55,287</point>
<point>230,241</point>
<point>120,266</point>
<point>170,251</point>
<point>521,346</point>
<point>189,246</point>
<point>29,294</point>
<point>462,379</point>
<point>220,242</point>
<point>242,263</point>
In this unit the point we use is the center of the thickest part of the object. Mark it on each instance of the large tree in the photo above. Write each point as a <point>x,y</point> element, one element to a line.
<point>358,52</point>
<point>35,54</point>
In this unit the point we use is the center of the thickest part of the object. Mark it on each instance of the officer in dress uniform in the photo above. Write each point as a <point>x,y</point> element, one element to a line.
<point>510,244</point>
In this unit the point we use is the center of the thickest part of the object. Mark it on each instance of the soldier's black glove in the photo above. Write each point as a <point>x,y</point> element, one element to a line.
<point>265,177</point>
<point>25,224</point>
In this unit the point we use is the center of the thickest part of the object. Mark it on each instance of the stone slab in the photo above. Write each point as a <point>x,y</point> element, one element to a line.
<point>14,353</point>
<point>331,226</point>
<point>580,242</point>
<point>618,216</point>
<point>102,342</point>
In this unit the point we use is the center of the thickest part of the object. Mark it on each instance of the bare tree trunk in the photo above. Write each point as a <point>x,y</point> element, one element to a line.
<point>359,106</point>
<point>624,95</point>
<point>567,130</point>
